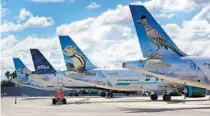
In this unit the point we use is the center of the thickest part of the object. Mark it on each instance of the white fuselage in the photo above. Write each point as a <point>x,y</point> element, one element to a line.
<point>107,78</point>
<point>117,79</point>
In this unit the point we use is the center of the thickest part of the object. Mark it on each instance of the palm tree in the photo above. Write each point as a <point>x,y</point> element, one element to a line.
<point>14,75</point>
<point>7,74</point>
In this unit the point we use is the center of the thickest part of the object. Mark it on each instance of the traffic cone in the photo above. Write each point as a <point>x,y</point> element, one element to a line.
<point>15,100</point>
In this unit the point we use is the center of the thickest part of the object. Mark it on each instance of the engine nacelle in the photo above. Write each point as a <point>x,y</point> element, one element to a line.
<point>191,91</point>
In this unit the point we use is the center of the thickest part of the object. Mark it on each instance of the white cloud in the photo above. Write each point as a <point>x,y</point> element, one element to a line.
<point>169,8</point>
<point>7,42</point>
<point>24,14</point>
<point>13,48</point>
<point>203,14</point>
<point>93,5</point>
<point>193,36</point>
<point>38,22</point>
<point>29,22</point>
<point>75,27</point>
<point>51,1</point>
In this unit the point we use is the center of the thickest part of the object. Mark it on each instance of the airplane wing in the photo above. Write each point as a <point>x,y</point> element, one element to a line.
<point>167,78</point>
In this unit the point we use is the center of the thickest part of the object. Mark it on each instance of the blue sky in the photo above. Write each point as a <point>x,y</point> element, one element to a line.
<point>61,12</point>
<point>103,29</point>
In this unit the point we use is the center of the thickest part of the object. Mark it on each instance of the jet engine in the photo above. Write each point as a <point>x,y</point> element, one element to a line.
<point>193,92</point>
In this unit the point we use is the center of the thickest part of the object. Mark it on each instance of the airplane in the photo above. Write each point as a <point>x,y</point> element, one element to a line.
<point>80,68</point>
<point>164,60</point>
<point>23,77</point>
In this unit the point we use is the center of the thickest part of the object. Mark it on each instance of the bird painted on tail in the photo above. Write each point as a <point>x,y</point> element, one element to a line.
<point>156,38</point>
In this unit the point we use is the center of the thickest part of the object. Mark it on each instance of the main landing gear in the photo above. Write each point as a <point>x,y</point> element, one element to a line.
<point>154,97</point>
<point>73,94</point>
<point>167,97</point>
<point>108,94</point>
<point>103,94</point>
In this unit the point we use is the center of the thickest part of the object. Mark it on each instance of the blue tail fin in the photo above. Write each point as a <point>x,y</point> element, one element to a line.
<point>74,58</point>
<point>21,70</point>
<point>41,65</point>
<point>154,42</point>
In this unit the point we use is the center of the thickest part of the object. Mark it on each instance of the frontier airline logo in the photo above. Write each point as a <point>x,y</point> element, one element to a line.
<point>43,67</point>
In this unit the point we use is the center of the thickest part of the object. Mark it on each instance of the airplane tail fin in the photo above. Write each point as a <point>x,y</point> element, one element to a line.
<point>74,58</point>
<point>41,64</point>
<point>154,42</point>
<point>21,70</point>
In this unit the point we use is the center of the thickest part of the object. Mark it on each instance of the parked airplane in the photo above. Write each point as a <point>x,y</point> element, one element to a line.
<point>80,68</point>
<point>165,60</point>
<point>23,77</point>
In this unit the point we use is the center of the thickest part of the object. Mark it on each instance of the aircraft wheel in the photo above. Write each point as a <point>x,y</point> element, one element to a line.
<point>103,94</point>
<point>110,94</point>
<point>127,94</point>
<point>71,94</point>
<point>154,97</point>
<point>54,101</point>
<point>167,98</point>
<point>76,94</point>
<point>64,101</point>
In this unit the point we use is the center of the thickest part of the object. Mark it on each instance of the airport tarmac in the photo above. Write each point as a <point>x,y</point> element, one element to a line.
<point>96,106</point>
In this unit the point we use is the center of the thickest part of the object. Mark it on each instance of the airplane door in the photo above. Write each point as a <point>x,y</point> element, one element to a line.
<point>192,70</point>
<point>100,76</point>
<point>60,81</point>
